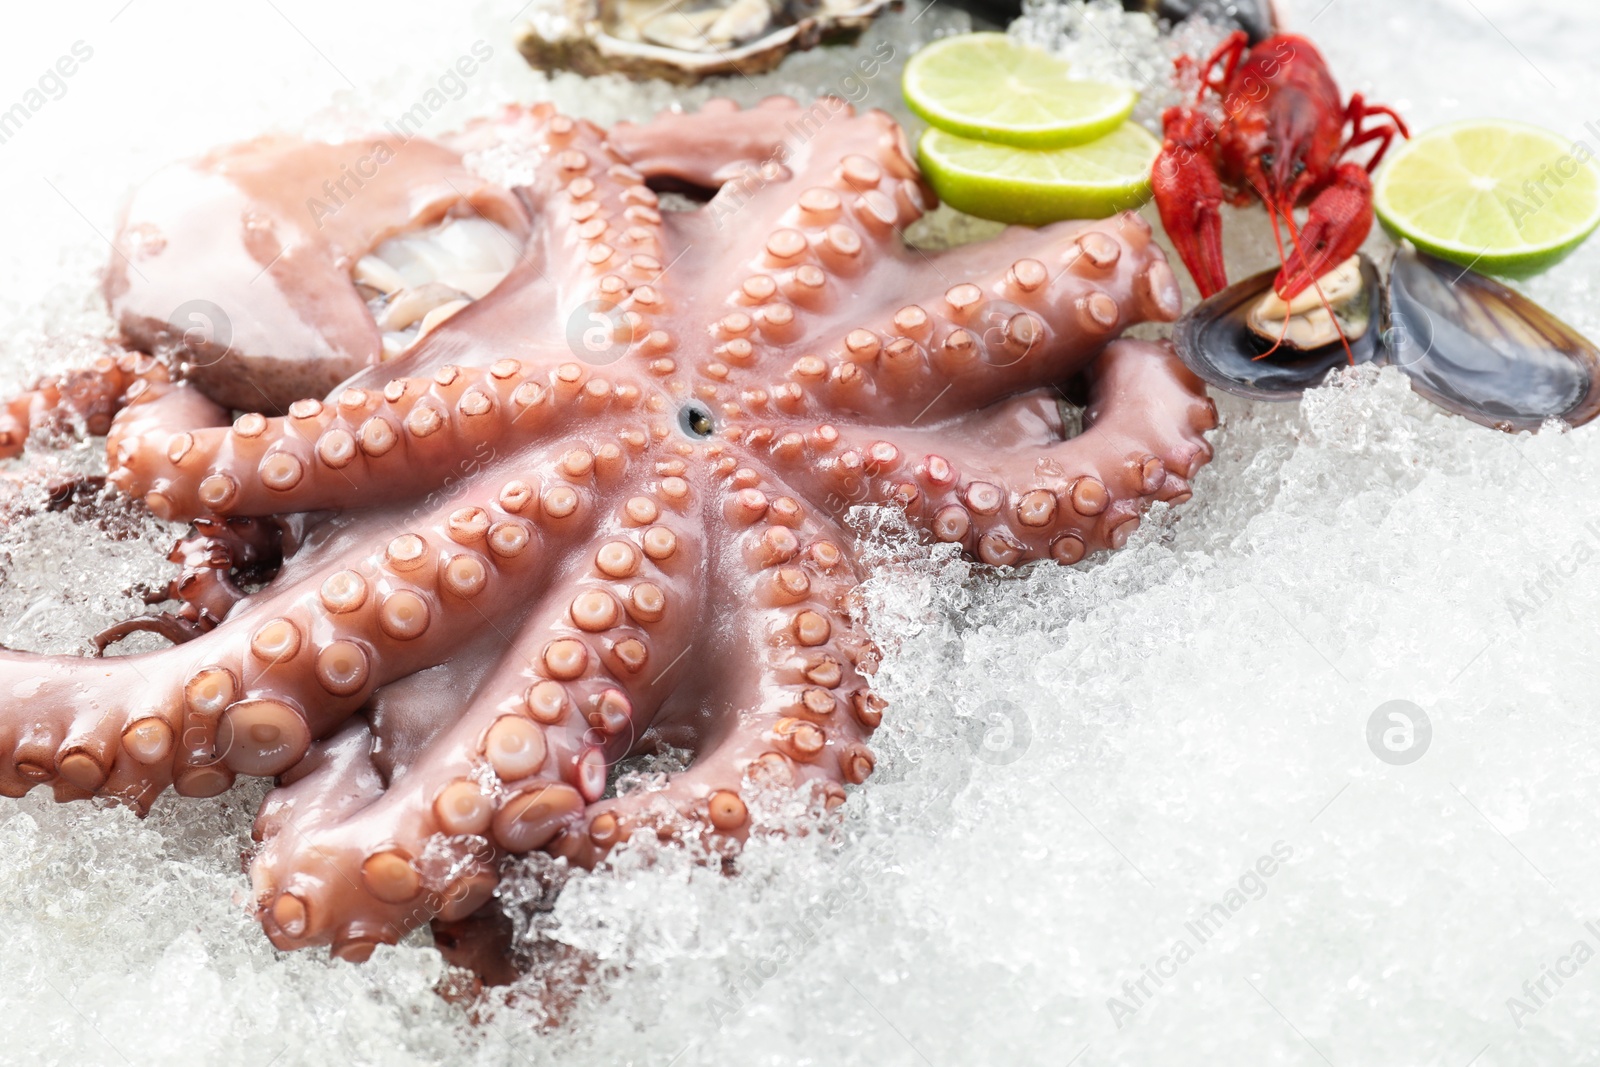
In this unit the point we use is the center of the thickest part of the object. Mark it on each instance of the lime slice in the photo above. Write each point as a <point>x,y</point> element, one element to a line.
<point>1088,181</point>
<point>989,87</point>
<point>1503,197</point>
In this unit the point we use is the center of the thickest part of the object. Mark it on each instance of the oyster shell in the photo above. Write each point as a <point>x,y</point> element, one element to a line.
<point>684,41</point>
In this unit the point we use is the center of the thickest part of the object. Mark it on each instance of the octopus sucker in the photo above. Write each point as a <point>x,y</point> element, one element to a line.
<point>505,559</point>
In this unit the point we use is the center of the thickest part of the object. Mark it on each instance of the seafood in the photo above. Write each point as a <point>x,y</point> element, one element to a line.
<point>1279,139</point>
<point>595,513</point>
<point>1337,308</point>
<point>1466,342</point>
<point>686,42</point>
<point>1217,341</point>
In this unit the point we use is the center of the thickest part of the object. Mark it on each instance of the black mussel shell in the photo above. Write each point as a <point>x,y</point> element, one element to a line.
<point>1213,339</point>
<point>1476,348</point>
<point>1255,17</point>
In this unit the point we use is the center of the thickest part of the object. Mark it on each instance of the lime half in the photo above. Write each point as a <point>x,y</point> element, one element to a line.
<point>1088,181</point>
<point>1503,197</point>
<point>989,87</point>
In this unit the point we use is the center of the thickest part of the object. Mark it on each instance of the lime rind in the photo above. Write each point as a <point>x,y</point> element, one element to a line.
<point>1458,192</point>
<point>1032,187</point>
<point>987,87</point>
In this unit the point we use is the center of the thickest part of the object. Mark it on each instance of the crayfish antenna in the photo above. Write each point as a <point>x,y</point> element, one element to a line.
<point>1277,238</point>
<point>1316,284</point>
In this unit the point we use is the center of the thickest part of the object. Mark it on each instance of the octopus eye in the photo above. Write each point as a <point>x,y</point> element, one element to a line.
<point>694,419</point>
<point>1267,160</point>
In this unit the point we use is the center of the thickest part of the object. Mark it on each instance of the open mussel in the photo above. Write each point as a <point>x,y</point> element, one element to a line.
<point>1466,342</point>
<point>1219,342</point>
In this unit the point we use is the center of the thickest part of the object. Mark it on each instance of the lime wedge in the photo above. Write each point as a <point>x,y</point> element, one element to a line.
<point>1502,197</point>
<point>1021,185</point>
<point>988,87</point>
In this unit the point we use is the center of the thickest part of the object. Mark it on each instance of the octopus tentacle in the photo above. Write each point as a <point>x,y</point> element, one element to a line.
<point>322,453</point>
<point>779,150</point>
<point>812,200</point>
<point>1034,496</point>
<point>598,246</point>
<point>303,869</point>
<point>157,413</point>
<point>970,333</point>
<point>214,552</point>
<point>825,197</point>
<point>301,660</point>
<point>790,710</point>
<point>531,747</point>
<point>427,431</point>
<point>176,627</point>
<point>712,145</point>
<point>34,747</point>
<point>596,215</point>
<point>209,555</point>
<point>89,396</point>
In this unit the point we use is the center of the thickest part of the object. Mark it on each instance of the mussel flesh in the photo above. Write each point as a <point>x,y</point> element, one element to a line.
<point>1466,342</point>
<point>1335,308</point>
<point>1218,342</point>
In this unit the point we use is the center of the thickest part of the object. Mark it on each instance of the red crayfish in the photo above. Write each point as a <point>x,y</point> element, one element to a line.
<point>1280,140</point>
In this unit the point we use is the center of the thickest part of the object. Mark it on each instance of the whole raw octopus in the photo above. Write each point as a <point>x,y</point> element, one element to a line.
<point>553,476</point>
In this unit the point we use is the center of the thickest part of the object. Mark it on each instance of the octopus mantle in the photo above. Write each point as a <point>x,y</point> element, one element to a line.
<point>520,560</point>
